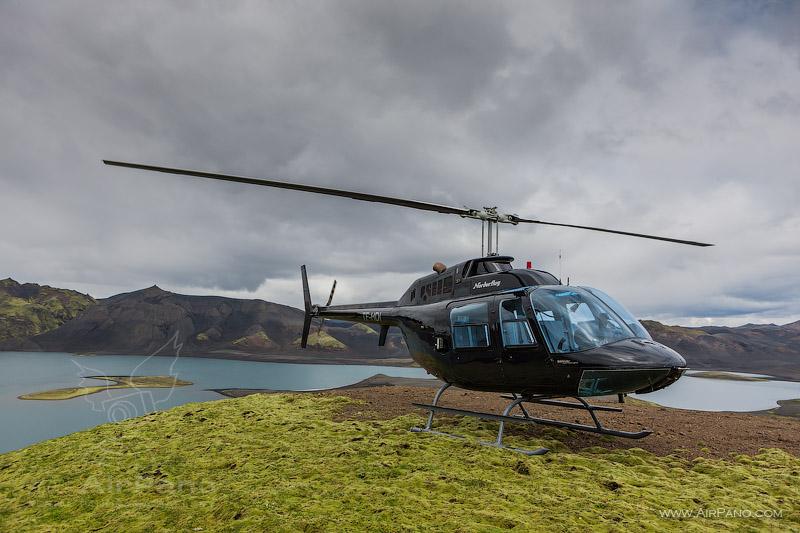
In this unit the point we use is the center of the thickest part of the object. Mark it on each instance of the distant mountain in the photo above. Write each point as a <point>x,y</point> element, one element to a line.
<point>29,309</point>
<point>143,321</point>
<point>757,348</point>
<point>41,318</point>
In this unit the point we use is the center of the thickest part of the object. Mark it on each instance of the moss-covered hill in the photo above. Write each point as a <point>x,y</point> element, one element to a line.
<point>145,321</point>
<point>282,462</point>
<point>29,309</point>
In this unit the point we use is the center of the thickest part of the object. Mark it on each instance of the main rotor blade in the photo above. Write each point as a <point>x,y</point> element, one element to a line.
<point>425,206</point>
<point>605,230</point>
<point>366,197</point>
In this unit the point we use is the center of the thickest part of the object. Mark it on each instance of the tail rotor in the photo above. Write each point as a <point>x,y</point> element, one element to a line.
<point>308,307</point>
<point>311,310</point>
<point>330,299</point>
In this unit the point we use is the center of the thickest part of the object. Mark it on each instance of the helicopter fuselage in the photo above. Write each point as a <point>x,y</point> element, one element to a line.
<point>475,326</point>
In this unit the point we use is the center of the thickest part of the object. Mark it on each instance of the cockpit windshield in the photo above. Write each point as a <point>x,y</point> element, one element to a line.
<point>573,319</point>
<point>622,312</point>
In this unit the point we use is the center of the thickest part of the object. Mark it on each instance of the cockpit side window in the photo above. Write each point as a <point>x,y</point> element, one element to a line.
<point>470,324</point>
<point>514,325</point>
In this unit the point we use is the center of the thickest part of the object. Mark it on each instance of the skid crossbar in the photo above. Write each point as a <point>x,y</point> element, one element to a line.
<point>569,405</point>
<point>525,417</point>
<point>535,420</point>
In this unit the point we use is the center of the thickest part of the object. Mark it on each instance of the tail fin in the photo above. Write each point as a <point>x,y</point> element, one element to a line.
<point>309,309</point>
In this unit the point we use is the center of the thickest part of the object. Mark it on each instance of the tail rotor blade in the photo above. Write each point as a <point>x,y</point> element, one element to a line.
<point>306,331</point>
<point>306,291</point>
<point>330,298</point>
<point>308,308</point>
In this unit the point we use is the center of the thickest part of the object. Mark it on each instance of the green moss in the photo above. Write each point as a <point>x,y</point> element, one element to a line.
<point>363,328</point>
<point>114,382</point>
<point>281,463</point>
<point>258,339</point>
<point>42,308</point>
<point>323,340</point>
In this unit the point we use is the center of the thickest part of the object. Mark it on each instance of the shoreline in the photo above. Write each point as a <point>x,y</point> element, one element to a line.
<point>310,359</point>
<point>789,407</point>
<point>112,382</point>
<point>322,358</point>
<point>378,380</point>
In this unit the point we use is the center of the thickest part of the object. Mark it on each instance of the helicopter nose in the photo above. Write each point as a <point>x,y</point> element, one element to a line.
<point>631,365</point>
<point>632,353</point>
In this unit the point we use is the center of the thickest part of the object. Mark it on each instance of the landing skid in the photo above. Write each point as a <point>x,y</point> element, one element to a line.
<point>518,401</point>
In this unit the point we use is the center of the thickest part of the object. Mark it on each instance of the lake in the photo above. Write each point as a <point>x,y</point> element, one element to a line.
<point>24,422</point>
<point>707,394</point>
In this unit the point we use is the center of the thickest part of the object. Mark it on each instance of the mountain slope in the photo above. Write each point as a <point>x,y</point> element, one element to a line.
<point>756,348</point>
<point>30,309</point>
<point>41,318</point>
<point>142,322</point>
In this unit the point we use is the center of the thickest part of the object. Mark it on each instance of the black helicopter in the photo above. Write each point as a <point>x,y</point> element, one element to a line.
<point>484,325</point>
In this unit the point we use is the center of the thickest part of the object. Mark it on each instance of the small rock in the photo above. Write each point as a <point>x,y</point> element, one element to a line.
<point>522,468</point>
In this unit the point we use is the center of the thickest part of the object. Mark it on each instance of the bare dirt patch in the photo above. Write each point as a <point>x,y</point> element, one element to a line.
<point>675,431</point>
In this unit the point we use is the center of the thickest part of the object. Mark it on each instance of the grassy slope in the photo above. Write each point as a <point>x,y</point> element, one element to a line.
<point>47,310</point>
<point>280,462</point>
<point>321,339</point>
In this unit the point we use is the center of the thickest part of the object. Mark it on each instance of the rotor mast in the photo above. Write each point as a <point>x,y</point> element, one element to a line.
<point>490,227</point>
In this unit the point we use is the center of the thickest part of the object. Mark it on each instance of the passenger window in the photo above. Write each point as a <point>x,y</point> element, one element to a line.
<point>470,326</point>
<point>448,284</point>
<point>514,324</point>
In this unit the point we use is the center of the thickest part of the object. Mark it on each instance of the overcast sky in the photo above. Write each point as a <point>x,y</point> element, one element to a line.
<point>673,118</point>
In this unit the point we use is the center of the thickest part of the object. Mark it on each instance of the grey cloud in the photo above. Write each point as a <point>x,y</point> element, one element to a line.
<point>447,51</point>
<point>642,116</point>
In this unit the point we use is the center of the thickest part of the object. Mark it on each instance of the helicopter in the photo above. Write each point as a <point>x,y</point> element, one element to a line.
<point>484,325</point>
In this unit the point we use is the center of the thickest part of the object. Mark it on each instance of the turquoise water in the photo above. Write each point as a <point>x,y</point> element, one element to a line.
<point>706,394</point>
<point>24,422</point>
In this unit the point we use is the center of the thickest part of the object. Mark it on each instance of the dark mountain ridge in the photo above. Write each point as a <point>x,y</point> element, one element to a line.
<point>755,348</point>
<point>142,322</point>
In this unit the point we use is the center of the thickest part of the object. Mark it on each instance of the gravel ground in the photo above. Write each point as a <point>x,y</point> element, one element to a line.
<point>683,432</point>
<point>675,431</point>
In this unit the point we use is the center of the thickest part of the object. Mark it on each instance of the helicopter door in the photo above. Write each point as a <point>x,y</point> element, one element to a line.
<point>475,359</point>
<point>524,360</point>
